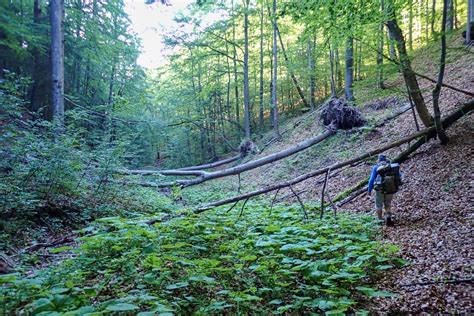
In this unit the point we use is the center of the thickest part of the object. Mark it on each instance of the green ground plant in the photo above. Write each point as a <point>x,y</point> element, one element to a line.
<point>263,262</point>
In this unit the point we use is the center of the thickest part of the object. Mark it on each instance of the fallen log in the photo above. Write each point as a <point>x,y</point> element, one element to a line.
<point>424,136</point>
<point>213,164</point>
<point>206,176</point>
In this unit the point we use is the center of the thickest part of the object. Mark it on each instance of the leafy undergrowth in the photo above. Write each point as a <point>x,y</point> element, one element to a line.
<point>264,262</point>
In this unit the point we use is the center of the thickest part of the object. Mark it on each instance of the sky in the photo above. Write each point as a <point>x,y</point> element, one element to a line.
<point>151,22</point>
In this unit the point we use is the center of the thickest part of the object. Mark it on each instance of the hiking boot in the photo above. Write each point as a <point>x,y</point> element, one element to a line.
<point>389,221</point>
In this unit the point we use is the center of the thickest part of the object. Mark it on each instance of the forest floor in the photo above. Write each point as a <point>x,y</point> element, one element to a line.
<point>435,207</point>
<point>433,211</point>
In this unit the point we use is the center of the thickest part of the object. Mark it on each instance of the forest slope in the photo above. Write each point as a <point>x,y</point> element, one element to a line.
<point>434,208</point>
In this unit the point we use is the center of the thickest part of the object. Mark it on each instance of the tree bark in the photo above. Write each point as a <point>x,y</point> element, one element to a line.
<point>380,83</point>
<point>433,17</point>
<point>437,90</point>
<point>410,25</point>
<point>331,64</point>
<point>246,72</point>
<point>311,69</point>
<point>57,59</point>
<point>36,77</point>
<point>408,74</point>
<point>276,130</point>
<point>349,73</point>
<point>260,113</point>
<point>470,21</point>
<point>236,78</point>
<point>449,23</point>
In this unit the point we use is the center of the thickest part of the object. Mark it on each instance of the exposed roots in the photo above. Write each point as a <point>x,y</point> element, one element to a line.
<point>247,147</point>
<point>339,113</point>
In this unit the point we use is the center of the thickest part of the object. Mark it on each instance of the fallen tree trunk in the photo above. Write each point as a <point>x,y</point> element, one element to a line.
<point>206,176</point>
<point>212,164</point>
<point>425,135</point>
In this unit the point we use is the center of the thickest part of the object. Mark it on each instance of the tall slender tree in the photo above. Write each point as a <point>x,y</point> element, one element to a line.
<point>437,90</point>
<point>276,130</point>
<point>57,59</point>
<point>349,69</point>
<point>260,112</point>
<point>246,70</point>
<point>408,74</point>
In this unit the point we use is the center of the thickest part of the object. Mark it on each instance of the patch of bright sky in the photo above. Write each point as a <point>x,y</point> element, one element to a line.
<point>153,21</point>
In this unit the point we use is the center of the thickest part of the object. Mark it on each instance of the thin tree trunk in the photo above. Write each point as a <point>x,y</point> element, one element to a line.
<point>236,78</point>
<point>311,69</point>
<point>437,90</point>
<point>349,69</point>
<point>408,74</point>
<point>57,59</point>
<point>433,17</point>
<point>338,69</point>
<point>260,113</point>
<point>470,21</point>
<point>34,100</point>
<point>293,77</point>
<point>410,25</point>
<point>450,15</point>
<point>331,64</point>
<point>381,36</point>
<point>246,72</point>
<point>276,131</point>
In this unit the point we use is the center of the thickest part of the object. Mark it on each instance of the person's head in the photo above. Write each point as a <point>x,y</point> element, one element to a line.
<point>382,157</point>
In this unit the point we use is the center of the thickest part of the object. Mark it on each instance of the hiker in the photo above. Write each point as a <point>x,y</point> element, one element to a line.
<point>385,179</point>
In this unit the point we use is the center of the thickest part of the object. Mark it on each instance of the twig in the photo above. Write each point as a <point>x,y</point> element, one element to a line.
<point>243,207</point>
<point>233,205</point>
<point>322,192</point>
<point>299,200</point>
<point>273,201</point>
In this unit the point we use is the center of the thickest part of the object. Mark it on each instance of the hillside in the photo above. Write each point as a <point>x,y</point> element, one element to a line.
<point>434,207</point>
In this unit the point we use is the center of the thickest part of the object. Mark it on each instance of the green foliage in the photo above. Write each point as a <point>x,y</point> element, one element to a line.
<point>264,262</point>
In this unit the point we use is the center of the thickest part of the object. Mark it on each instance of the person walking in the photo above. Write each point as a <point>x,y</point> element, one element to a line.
<point>385,180</point>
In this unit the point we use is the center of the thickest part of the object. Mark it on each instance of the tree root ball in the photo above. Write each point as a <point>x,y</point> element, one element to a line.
<point>338,113</point>
<point>247,146</point>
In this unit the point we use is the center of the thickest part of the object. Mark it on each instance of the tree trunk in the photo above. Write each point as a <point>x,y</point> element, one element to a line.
<point>349,74</point>
<point>331,64</point>
<point>408,74</point>
<point>36,76</point>
<point>312,70</point>
<point>57,59</point>
<point>450,15</point>
<point>410,25</point>
<point>381,36</point>
<point>470,21</point>
<point>236,78</point>
<point>338,69</point>
<point>276,131</point>
<point>260,112</point>
<point>293,77</point>
<point>433,17</point>
<point>206,176</point>
<point>246,72</point>
<point>437,90</point>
